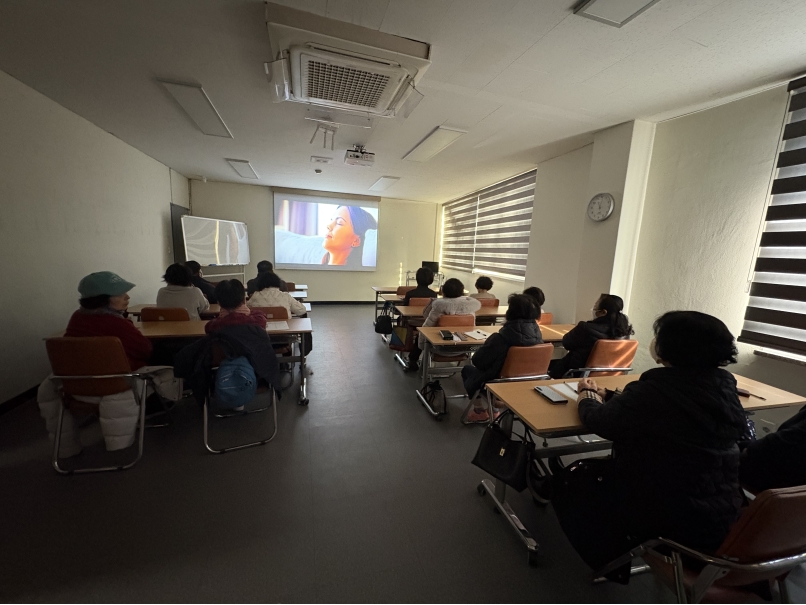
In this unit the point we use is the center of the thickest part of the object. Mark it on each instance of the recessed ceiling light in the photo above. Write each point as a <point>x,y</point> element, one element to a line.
<point>613,12</point>
<point>436,141</point>
<point>383,183</point>
<point>198,107</point>
<point>243,168</point>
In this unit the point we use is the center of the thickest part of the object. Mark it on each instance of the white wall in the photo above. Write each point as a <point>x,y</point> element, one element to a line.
<point>557,223</point>
<point>75,200</point>
<point>707,187</point>
<point>406,232</point>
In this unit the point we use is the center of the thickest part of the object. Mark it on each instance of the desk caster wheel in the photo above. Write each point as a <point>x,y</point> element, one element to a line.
<point>480,489</point>
<point>305,401</point>
<point>532,558</point>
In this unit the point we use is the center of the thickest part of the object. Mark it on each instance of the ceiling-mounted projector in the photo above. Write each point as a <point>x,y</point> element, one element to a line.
<point>358,157</point>
<point>330,63</point>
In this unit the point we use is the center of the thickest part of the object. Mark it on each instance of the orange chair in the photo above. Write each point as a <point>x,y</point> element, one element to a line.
<point>487,321</point>
<point>608,358</point>
<point>401,290</point>
<point>420,302</point>
<point>91,367</point>
<point>164,314</point>
<point>290,286</point>
<point>764,545</point>
<point>546,319</point>
<point>451,321</point>
<point>273,313</point>
<point>488,302</point>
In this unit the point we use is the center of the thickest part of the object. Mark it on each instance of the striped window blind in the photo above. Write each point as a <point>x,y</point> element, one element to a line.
<point>488,231</point>
<point>776,313</point>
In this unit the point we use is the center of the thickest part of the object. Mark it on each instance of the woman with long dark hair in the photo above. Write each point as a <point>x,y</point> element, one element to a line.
<point>344,241</point>
<point>608,322</point>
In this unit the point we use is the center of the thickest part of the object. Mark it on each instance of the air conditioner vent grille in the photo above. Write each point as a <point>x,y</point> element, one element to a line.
<point>345,84</point>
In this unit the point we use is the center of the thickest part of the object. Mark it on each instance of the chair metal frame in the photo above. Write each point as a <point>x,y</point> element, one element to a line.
<point>715,567</point>
<point>57,440</point>
<point>243,446</point>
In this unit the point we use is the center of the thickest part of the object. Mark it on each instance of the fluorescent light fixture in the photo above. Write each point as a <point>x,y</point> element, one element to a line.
<point>198,107</point>
<point>435,142</point>
<point>613,12</point>
<point>383,183</point>
<point>243,168</point>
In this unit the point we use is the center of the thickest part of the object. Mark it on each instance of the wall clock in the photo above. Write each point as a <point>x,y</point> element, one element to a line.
<point>601,206</point>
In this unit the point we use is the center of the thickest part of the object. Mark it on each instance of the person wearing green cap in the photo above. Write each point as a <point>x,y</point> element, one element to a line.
<point>104,299</point>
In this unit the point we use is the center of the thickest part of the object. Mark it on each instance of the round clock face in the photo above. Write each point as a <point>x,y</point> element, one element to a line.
<point>601,206</point>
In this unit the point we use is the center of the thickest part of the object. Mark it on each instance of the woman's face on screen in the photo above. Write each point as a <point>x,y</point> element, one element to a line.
<point>340,236</point>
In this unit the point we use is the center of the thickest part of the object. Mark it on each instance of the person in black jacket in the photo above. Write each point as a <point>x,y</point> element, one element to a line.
<point>777,460</point>
<point>520,330</point>
<point>674,472</point>
<point>263,266</point>
<point>425,277</point>
<point>537,294</point>
<point>608,322</point>
<point>197,278</point>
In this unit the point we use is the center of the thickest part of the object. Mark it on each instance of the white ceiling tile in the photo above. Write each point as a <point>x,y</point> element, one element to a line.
<point>416,19</point>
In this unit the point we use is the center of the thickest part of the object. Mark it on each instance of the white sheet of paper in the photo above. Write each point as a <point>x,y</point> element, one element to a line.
<point>477,334</point>
<point>574,386</point>
<point>276,325</point>
<point>565,391</point>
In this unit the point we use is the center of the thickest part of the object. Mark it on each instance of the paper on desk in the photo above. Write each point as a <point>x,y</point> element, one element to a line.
<point>477,335</point>
<point>276,325</point>
<point>565,390</point>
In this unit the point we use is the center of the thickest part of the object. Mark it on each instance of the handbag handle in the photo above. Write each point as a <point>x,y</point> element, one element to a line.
<point>527,434</point>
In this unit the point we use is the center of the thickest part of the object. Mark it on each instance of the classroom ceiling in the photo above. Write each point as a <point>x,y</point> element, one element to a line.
<point>528,79</point>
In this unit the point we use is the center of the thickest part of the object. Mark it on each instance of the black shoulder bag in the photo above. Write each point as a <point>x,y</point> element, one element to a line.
<point>504,457</point>
<point>383,325</point>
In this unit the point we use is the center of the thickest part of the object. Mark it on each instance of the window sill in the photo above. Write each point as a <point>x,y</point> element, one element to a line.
<point>780,357</point>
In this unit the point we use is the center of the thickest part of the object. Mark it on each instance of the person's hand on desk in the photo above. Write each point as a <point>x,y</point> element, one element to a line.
<point>588,388</point>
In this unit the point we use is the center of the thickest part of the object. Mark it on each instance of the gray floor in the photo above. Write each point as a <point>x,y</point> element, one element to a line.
<point>362,497</point>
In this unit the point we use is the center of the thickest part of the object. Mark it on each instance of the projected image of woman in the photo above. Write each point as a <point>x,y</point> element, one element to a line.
<point>344,241</point>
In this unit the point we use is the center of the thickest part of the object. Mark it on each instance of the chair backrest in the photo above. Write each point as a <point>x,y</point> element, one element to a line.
<point>772,527</point>
<point>456,320</point>
<point>164,314</point>
<point>546,319</point>
<point>420,302</point>
<point>488,302</point>
<point>401,290</point>
<point>527,361</point>
<point>273,313</point>
<point>290,286</point>
<point>611,354</point>
<point>89,356</point>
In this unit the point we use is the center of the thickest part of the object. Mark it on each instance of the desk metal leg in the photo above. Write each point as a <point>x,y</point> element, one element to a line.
<point>303,396</point>
<point>426,370</point>
<point>377,297</point>
<point>497,492</point>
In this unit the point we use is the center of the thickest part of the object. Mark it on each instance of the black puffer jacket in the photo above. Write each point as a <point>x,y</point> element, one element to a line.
<point>779,459</point>
<point>489,359</point>
<point>674,434</point>
<point>579,343</point>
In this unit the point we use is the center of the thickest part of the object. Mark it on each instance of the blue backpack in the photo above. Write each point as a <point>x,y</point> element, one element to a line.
<point>235,383</point>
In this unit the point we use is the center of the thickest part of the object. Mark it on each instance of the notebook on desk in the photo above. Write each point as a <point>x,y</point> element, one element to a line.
<point>477,334</point>
<point>276,325</point>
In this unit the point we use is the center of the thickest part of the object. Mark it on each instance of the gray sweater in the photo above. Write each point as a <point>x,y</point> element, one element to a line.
<point>464,305</point>
<point>186,297</point>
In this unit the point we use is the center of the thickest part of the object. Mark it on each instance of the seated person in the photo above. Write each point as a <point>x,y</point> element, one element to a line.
<point>425,277</point>
<point>104,300</point>
<point>197,279</point>
<point>483,286</point>
<point>608,323</point>
<point>263,266</point>
<point>231,296</point>
<point>777,460</point>
<point>452,303</point>
<point>537,294</point>
<point>520,330</point>
<point>268,294</point>
<point>180,292</point>
<point>675,465</point>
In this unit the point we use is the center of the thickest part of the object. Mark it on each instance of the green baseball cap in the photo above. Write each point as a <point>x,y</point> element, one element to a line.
<point>103,282</point>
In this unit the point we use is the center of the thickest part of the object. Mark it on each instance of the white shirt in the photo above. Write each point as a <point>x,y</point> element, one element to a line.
<point>185,297</point>
<point>272,297</point>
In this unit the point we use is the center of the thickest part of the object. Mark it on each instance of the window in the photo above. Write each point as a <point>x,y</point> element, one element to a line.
<point>776,313</point>
<point>488,231</point>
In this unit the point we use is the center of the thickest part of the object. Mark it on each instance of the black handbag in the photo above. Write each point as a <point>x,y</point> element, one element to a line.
<point>383,324</point>
<point>503,457</point>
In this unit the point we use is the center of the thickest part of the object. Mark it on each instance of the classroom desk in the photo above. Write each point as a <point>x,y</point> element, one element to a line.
<point>411,311</point>
<point>299,294</point>
<point>210,313</point>
<point>550,421</point>
<point>381,290</point>
<point>301,286</point>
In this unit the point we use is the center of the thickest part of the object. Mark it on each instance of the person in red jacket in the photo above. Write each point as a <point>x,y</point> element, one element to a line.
<point>231,296</point>
<point>104,299</point>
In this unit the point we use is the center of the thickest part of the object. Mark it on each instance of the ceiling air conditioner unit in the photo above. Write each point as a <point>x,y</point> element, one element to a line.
<point>329,63</point>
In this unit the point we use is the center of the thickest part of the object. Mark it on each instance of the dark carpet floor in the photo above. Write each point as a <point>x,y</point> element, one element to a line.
<point>362,497</point>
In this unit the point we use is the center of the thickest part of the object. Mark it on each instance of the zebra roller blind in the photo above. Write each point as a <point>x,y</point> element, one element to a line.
<point>776,313</point>
<point>488,231</point>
